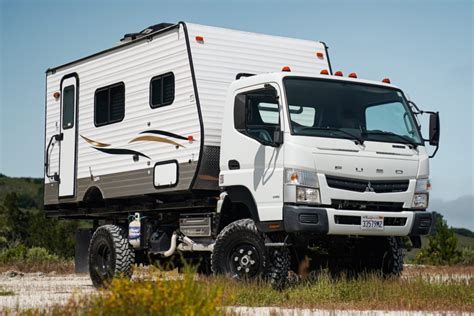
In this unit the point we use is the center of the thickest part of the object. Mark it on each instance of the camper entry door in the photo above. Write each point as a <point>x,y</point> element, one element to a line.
<point>67,154</point>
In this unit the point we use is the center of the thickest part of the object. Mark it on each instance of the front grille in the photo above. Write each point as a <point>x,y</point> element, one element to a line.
<point>367,206</point>
<point>356,220</point>
<point>377,186</point>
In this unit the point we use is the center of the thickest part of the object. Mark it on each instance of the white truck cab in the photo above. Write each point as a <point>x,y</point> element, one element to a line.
<point>326,154</point>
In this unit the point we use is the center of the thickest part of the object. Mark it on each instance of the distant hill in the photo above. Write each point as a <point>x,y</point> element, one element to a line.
<point>458,212</point>
<point>29,190</point>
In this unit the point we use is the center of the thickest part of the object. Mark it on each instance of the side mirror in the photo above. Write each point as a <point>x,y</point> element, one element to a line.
<point>277,138</point>
<point>434,129</point>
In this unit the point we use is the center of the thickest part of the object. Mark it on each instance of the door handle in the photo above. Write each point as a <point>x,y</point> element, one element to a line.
<point>234,164</point>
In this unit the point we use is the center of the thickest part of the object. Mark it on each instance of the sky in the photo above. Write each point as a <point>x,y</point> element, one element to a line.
<point>425,47</point>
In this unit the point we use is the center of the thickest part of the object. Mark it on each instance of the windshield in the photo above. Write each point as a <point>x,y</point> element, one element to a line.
<point>349,110</point>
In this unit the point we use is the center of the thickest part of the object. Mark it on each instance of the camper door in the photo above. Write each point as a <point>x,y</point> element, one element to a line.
<point>68,127</point>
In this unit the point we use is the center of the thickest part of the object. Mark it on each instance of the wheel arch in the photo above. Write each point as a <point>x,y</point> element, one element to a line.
<point>238,197</point>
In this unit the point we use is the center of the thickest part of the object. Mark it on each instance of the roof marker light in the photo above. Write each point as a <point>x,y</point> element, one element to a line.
<point>320,55</point>
<point>286,68</point>
<point>386,80</point>
<point>324,72</point>
<point>200,39</point>
<point>352,75</point>
<point>338,73</point>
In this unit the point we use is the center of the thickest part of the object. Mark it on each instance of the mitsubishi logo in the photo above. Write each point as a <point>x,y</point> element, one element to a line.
<point>369,188</point>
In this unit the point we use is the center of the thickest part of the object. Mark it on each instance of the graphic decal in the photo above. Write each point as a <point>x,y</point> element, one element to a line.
<point>95,143</point>
<point>146,138</point>
<point>121,151</point>
<point>164,133</point>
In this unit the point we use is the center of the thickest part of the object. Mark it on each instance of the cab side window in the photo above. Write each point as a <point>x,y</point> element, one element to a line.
<point>257,115</point>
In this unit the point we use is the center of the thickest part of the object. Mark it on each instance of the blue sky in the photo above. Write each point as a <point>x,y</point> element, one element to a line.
<point>425,47</point>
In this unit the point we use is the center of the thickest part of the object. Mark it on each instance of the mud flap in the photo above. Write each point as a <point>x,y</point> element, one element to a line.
<point>81,256</point>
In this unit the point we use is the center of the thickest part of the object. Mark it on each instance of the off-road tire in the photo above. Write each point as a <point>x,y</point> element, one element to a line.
<point>271,264</point>
<point>277,273</point>
<point>392,265</point>
<point>110,255</point>
<point>242,232</point>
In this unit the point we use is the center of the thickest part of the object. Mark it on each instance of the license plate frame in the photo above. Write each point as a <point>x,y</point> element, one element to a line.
<point>371,222</point>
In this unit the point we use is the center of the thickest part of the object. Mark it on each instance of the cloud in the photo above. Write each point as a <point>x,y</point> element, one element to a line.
<point>458,212</point>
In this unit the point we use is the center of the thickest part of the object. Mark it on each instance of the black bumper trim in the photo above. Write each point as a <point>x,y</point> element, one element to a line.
<point>305,219</point>
<point>422,223</point>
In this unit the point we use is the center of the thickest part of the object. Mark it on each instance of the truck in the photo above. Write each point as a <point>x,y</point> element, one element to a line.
<point>240,151</point>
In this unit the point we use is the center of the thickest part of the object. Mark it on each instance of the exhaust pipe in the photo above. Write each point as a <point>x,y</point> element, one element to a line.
<point>172,249</point>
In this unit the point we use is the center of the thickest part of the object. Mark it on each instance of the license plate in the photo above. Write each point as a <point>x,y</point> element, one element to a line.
<point>371,223</point>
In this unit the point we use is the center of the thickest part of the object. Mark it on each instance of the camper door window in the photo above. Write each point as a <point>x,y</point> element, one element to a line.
<point>68,107</point>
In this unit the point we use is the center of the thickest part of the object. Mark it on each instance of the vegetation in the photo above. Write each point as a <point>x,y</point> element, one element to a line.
<point>442,247</point>
<point>191,295</point>
<point>26,236</point>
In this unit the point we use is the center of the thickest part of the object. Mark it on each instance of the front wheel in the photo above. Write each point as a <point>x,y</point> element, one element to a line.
<point>240,253</point>
<point>110,255</point>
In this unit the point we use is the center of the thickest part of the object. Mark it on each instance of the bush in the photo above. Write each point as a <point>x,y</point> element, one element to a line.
<point>20,253</point>
<point>164,296</point>
<point>442,246</point>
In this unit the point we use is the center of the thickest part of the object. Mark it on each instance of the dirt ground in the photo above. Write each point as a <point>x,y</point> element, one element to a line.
<point>22,291</point>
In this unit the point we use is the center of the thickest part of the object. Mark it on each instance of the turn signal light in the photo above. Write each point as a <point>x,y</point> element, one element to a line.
<point>338,73</point>
<point>200,39</point>
<point>386,80</point>
<point>286,68</point>
<point>320,55</point>
<point>324,72</point>
<point>352,75</point>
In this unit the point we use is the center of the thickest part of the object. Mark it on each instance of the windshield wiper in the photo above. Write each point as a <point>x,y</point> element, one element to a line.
<point>358,140</point>
<point>405,139</point>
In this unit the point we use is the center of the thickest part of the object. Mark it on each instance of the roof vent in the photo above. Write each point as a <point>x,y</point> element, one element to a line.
<point>151,29</point>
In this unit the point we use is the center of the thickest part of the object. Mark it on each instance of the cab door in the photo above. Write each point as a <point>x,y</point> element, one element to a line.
<point>68,136</point>
<point>257,119</point>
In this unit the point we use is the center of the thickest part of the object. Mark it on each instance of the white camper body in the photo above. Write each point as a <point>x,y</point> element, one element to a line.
<point>137,149</point>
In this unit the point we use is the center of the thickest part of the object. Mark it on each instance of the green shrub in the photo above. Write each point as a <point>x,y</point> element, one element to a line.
<point>21,254</point>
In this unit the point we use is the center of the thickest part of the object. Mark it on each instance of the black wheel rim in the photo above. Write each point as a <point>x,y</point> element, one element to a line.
<point>244,261</point>
<point>104,261</point>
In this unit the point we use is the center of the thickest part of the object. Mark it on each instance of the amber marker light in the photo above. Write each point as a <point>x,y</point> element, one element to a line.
<point>56,95</point>
<point>352,75</point>
<point>386,80</point>
<point>320,55</point>
<point>338,73</point>
<point>286,68</point>
<point>324,72</point>
<point>199,39</point>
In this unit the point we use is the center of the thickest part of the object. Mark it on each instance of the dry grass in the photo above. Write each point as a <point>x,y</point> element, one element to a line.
<point>445,270</point>
<point>187,294</point>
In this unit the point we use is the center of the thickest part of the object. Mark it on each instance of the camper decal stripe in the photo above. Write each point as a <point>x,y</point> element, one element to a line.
<point>164,133</point>
<point>120,151</point>
<point>155,139</point>
<point>95,143</point>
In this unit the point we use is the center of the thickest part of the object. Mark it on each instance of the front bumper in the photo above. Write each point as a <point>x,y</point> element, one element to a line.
<point>320,220</point>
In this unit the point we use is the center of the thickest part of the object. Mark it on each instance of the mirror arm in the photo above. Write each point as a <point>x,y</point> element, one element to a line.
<point>434,152</point>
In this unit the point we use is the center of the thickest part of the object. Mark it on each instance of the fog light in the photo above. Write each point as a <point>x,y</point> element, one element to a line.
<point>307,195</point>
<point>420,200</point>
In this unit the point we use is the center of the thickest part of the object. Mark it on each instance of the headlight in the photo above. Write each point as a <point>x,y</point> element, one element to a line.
<point>301,177</point>
<point>421,197</point>
<point>422,185</point>
<point>420,200</point>
<point>307,195</point>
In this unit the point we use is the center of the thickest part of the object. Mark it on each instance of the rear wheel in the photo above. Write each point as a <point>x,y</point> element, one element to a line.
<point>110,255</point>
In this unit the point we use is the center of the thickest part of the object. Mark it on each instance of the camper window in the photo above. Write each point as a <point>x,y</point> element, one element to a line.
<point>109,105</point>
<point>162,90</point>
